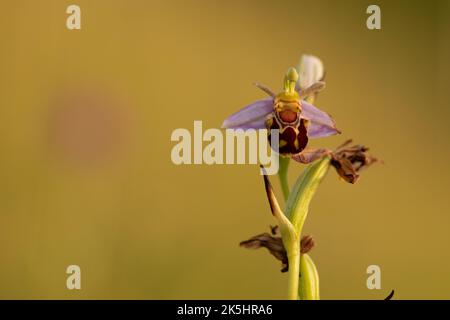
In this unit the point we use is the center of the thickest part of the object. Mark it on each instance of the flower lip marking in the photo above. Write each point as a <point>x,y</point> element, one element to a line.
<point>287,111</point>
<point>287,116</point>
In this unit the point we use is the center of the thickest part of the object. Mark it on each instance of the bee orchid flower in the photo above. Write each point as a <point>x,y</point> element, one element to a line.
<point>289,112</point>
<point>297,120</point>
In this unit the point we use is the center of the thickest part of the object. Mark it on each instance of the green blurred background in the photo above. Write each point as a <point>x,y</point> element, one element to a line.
<point>85,171</point>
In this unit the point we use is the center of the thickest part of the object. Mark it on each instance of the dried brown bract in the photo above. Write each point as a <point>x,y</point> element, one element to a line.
<point>350,160</point>
<point>274,244</point>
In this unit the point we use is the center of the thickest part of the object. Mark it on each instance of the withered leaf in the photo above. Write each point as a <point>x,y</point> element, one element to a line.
<point>274,244</point>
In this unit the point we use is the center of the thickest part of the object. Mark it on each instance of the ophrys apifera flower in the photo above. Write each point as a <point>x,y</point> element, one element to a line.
<point>296,119</point>
<point>292,113</point>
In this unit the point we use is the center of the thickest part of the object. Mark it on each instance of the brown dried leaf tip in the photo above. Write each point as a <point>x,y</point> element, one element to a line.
<point>306,244</point>
<point>274,244</point>
<point>350,160</point>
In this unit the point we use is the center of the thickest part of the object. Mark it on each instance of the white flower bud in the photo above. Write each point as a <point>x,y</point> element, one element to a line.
<point>311,70</point>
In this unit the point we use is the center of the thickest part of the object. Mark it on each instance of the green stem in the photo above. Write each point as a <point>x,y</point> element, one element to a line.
<point>282,174</point>
<point>293,252</point>
<point>296,210</point>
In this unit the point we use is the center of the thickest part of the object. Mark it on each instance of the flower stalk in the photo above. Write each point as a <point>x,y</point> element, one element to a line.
<point>292,219</point>
<point>293,254</point>
<point>282,175</point>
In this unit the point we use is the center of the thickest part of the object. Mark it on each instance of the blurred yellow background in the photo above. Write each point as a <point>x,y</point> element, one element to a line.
<point>85,171</point>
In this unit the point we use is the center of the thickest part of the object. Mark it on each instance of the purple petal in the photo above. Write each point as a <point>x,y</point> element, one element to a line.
<point>321,124</point>
<point>252,116</point>
<point>321,131</point>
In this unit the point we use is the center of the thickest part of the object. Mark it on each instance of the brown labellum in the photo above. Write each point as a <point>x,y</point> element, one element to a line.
<point>293,129</point>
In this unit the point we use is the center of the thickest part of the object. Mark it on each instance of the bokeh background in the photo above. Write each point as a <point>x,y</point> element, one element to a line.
<point>85,171</point>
